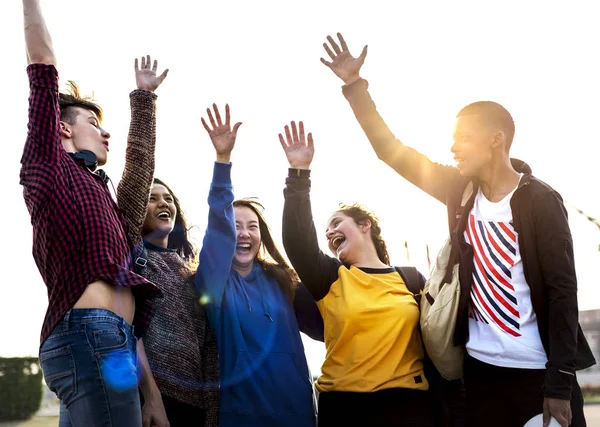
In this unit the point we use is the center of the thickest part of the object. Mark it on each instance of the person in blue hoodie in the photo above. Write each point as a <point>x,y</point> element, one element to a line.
<point>249,292</point>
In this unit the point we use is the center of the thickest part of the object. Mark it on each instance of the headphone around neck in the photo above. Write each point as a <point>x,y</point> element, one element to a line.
<point>86,158</point>
<point>89,160</point>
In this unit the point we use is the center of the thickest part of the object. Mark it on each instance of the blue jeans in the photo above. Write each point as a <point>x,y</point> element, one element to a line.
<point>90,362</point>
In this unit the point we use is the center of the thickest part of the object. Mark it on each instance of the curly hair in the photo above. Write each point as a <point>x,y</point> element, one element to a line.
<point>360,215</point>
<point>268,255</point>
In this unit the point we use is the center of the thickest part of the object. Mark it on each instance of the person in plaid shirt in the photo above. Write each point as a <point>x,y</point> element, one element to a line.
<point>97,306</point>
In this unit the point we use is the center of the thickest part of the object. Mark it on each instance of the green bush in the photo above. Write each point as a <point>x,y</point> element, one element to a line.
<point>20,388</point>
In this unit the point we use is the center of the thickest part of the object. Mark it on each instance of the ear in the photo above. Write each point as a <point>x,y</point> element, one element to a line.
<point>65,131</point>
<point>498,139</point>
<point>365,226</point>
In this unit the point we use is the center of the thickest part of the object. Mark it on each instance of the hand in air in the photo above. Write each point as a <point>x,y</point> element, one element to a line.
<point>221,134</point>
<point>145,76</point>
<point>344,65</point>
<point>299,149</point>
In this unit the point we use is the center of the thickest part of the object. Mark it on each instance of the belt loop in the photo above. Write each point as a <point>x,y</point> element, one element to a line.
<point>66,320</point>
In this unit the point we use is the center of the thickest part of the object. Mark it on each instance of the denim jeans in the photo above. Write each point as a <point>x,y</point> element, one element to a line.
<point>90,362</point>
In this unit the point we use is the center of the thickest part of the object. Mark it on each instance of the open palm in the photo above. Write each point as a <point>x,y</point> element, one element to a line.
<point>299,149</point>
<point>342,63</point>
<point>221,134</point>
<point>145,76</point>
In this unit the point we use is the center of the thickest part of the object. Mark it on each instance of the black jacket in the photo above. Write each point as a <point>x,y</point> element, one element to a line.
<point>540,219</point>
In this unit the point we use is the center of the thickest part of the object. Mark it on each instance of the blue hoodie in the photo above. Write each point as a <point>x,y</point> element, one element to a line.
<point>264,376</point>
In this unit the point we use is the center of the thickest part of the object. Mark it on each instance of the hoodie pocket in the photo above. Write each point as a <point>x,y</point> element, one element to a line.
<point>269,384</point>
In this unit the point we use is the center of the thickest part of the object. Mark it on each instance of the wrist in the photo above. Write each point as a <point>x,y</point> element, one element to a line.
<point>301,167</point>
<point>351,79</point>
<point>224,158</point>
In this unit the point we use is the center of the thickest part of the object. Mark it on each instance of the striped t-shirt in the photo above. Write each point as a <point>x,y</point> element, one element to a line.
<point>503,327</point>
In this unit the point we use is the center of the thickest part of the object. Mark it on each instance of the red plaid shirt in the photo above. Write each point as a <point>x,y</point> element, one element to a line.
<point>78,231</point>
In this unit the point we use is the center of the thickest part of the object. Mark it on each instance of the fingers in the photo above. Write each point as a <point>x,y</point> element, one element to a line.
<point>136,65</point>
<point>310,144</point>
<point>329,52</point>
<point>295,132</point>
<point>363,54</point>
<point>205,125</point>
<point>210,117</point>
<point>282,141</point>
<point>148,61</point>
<point>235,128</point>
<point>155,65</point>
<point>342,42</point>
<point>546,416</point>
<point>163,75</point>
<point>334,45</point>
<point>329,64</point>
<point>227,115</point>
<point>301,135</point>
<point>288,137</point>
<point>217,115</point>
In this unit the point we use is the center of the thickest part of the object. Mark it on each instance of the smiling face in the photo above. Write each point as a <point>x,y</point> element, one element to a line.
<point>248,238</point>
<point>82,131</point>
<point>473,144</point>
<point>160,214</point>
<point>346,239</point>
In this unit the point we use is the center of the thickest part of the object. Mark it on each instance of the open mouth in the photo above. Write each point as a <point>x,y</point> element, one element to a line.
<point>164,215</point>
<point>106,145</point>
<point>337,242</point>
<point>243,247</point>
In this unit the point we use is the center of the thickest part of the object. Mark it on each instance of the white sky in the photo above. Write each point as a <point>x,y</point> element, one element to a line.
<point>426,60</point>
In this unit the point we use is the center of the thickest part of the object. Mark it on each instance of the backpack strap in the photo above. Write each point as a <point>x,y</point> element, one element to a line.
<point>412,279</point>
<point>139,265</point>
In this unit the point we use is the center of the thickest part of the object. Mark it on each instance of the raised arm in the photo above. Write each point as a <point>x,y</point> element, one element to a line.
<point>38,43</point>
<point>136,182</point>
<point>431,177</point>
<point>43,148</point>
<point>218,247</point>
<point>316,270</point>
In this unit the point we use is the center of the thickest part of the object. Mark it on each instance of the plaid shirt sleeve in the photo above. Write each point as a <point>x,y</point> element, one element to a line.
<point>42,152</point>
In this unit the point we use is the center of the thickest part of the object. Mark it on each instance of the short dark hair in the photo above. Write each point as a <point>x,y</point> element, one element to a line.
<point>360,214</point>
<point>71,99</point>
<point>493,114</point>
<point>269,256</point>
<point>179,239</point>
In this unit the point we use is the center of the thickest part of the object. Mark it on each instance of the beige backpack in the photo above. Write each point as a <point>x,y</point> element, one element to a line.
<point>439,309</point>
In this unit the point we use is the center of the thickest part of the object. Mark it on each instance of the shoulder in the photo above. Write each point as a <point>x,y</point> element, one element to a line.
<point>542,194</point>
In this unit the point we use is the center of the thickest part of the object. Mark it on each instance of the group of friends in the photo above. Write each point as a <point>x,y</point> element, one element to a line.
<point>141,329</point>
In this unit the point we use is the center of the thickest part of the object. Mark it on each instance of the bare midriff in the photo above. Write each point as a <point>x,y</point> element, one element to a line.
<point>101,294</point>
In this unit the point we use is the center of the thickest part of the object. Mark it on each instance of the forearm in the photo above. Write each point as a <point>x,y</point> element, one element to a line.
<point>134,187</point>
<point>218,248</point>
<point>383,141</point>
<point>316,270</point>
<point>433,178</point>
<point>147,384</point>
<point>38,42</point>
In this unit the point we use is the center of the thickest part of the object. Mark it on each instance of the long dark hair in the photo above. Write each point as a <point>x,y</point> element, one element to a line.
<point>359,214</point>
<point>268,255</point>
<point>178,238</point>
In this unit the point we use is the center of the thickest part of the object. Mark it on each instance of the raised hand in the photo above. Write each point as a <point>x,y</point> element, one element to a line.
<point>298,148</point>
<point>145,76</point>
<point>344,65</point>
<point>221,135</point>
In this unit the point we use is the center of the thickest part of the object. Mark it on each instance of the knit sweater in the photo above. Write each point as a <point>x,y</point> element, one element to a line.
<point>180,347</point>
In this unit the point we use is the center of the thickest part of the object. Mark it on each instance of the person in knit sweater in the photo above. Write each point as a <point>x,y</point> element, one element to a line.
<point>178,354</point>
<point>265,379</point>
